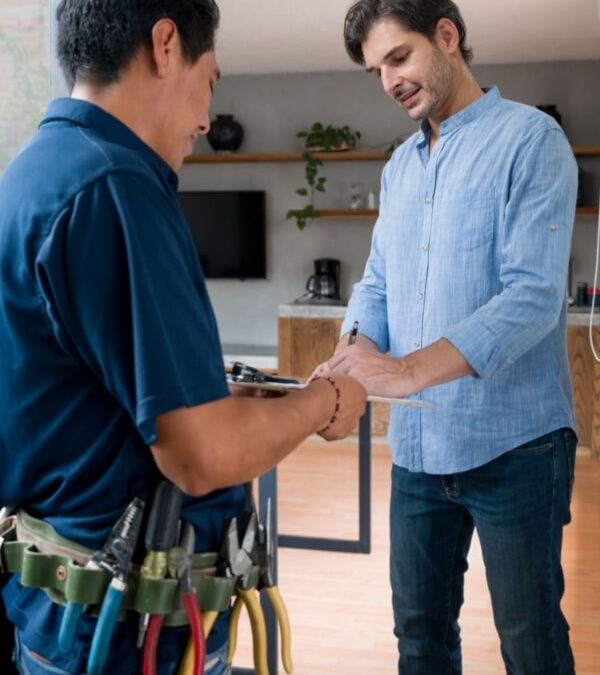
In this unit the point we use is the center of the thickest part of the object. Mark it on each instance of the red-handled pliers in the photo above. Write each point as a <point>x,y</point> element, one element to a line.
<point>180,567</point>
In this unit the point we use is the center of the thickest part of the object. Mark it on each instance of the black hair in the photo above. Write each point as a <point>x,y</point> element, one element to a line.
<point>419,16</point>
<point>98,38</point>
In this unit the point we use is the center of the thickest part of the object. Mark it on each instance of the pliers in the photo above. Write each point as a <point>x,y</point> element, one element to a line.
<point>237,561</point>
<point>180,567</point>
<point>262,556</point>
<point>114,557</point>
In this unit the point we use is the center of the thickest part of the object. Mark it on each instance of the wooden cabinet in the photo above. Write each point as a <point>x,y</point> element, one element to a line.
<point>304,343</point>
<point>585,377</point>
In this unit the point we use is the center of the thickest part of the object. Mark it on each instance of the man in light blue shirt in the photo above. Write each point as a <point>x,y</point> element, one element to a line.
<point>462,302</point>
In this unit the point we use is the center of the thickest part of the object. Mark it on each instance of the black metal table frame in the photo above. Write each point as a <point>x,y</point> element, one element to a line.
<point>267,489</point>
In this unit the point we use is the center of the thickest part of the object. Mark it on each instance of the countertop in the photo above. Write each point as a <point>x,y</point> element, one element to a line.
<point>580,316</point>
<point>300,311</point>
<point>576,316</point>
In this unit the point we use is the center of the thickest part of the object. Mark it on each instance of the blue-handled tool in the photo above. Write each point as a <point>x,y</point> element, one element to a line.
<point>114,557</point>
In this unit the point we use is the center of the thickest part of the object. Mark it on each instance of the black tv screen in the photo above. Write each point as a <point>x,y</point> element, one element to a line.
<point>228,229</point>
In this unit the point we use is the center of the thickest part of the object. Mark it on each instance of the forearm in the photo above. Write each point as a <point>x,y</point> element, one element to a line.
<point>400,376</point>
<point>438,363</point>
<point>235,439</point>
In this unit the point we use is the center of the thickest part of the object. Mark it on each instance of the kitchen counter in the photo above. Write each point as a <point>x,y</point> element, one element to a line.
<point>580,316</point>
<point>576,316</point>
<point>311,311</point>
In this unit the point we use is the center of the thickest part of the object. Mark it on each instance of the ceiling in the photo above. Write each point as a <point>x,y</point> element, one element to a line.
<point>282,36</point>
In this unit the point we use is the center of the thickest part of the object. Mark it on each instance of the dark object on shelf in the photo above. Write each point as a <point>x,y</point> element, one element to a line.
<point>226,134</point>
<point>580,175</point>
<point>229,231</point>
<point>582,294</point>
<point>550,109</point>
<point>593,297</point>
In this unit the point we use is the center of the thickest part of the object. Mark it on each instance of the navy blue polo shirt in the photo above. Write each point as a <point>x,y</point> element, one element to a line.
<point>105,323</point>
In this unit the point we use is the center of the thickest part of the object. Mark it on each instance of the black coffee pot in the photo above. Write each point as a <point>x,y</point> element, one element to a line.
<point>325,282</point>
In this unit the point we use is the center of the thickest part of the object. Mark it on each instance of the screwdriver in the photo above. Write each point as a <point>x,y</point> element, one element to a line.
<point>161,535</point>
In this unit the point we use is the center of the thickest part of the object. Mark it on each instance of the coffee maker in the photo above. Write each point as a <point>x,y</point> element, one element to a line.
<point>324,285</point>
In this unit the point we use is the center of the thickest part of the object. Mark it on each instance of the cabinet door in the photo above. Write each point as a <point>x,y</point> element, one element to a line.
<point>304,343</point>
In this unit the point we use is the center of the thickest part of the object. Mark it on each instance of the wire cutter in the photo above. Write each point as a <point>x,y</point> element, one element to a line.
<point>262,556</point>
<point>114,557</point>
<point>237,561</point>
<point>180,567</point>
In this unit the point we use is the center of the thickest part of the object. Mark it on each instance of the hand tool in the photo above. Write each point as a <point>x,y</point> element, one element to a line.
<point>160,536</point>
<point>180,567</point>
<point>262,556</point>
<point>114,558</point>
<point>237,561</point>
<point>73,610</point>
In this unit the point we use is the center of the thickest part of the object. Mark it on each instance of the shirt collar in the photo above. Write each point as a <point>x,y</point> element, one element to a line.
<point>480,106</point>
<point>89,115</point>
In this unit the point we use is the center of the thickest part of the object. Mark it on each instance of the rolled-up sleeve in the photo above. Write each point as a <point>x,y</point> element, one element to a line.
<point>535,238</point>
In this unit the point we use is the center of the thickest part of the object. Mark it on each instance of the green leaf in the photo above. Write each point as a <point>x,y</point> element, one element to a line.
<point>302,191</point>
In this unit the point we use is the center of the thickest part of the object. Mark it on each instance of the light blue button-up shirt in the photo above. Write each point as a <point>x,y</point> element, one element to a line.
<point>472,245</point>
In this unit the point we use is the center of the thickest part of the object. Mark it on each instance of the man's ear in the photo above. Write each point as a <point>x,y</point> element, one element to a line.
<point>447,36</point>
<point>165,45</point>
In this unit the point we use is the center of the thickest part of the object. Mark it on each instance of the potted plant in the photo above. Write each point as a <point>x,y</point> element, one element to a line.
<point>319,138</point>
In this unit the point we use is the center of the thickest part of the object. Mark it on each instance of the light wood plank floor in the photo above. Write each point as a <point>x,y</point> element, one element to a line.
<point>339,604</point>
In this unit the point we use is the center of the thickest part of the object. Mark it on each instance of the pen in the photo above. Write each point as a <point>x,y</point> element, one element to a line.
<point>353,333</point>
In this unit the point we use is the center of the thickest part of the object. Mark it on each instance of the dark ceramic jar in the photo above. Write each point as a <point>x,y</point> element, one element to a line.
<point>226,134</point>
<point>550,109</point>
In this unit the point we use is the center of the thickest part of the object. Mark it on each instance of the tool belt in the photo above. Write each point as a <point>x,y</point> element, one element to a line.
<point>56,565</point>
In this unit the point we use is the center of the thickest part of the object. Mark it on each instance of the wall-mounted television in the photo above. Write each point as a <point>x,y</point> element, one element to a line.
<point>228,228</point>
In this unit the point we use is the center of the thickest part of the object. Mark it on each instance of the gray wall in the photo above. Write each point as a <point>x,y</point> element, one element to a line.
<point>273,108</point>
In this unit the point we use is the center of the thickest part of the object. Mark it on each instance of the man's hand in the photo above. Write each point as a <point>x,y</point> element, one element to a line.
<point>380,374</point>
<point>351,400</point>
<point>397,376</point>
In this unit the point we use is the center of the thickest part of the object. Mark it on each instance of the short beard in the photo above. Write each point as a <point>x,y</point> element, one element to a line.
<point>438,82</point>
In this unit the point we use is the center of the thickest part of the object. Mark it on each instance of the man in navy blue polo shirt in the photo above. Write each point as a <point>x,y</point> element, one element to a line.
<point>112,372</point>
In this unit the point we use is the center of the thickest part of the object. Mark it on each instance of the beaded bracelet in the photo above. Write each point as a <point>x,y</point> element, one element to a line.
<point>333,419</point>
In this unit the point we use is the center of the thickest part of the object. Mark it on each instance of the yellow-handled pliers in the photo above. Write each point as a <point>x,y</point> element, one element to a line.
<point>262,556</point>
<point>236,562</point>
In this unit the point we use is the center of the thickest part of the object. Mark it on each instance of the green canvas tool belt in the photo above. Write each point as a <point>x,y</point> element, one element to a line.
<point>48,561</point>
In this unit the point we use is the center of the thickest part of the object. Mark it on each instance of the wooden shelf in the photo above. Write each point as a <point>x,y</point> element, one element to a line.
<point>348,156</point>
<point>586,150</point>
<point>587,211</point>
<point>254,157</point>
<point>348,213</point>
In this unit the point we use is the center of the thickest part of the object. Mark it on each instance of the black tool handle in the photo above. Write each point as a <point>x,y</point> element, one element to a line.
<point>161,533</point>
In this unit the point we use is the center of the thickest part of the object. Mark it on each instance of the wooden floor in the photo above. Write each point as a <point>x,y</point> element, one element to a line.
<point>339,604</point>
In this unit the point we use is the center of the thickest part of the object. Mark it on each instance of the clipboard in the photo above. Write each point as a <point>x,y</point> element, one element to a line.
<point>290,386</point>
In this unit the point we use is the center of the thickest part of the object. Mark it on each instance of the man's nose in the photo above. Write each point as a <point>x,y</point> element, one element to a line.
<point>389,80</point>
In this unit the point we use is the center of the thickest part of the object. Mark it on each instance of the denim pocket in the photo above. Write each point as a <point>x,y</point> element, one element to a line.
<point>533,448</point>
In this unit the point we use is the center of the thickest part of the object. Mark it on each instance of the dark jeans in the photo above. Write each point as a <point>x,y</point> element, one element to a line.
<point>519,504</point>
